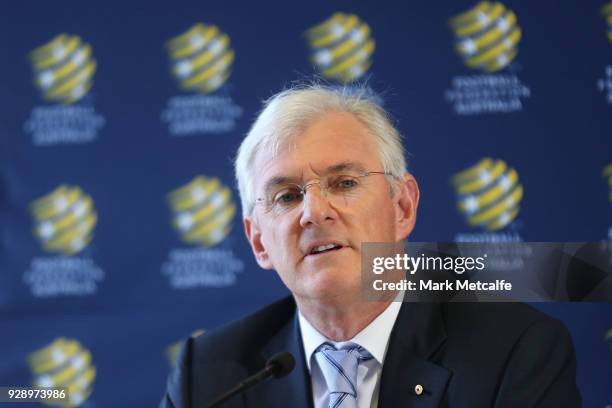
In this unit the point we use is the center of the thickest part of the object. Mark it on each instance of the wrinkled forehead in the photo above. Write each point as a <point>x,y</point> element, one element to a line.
<point>313,147</point>
<point>279,180</point>
<point>290,165</point>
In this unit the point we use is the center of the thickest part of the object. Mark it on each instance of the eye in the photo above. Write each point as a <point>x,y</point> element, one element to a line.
<point>344,183</point>
<point>287,196</point>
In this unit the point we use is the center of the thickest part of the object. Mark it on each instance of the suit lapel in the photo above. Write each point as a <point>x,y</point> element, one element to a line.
<point>417,334</point>
<point>294,390</point>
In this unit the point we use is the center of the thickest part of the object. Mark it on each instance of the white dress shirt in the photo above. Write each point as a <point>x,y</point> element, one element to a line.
<point>374,338</point>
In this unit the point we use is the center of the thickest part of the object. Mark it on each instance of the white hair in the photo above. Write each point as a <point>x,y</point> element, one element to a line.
<point>290,112</point>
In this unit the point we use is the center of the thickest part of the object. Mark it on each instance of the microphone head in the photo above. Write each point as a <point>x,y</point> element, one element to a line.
<point>281,364</point>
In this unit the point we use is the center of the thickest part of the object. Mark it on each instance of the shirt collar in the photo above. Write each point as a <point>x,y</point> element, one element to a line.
<point>374,337</point>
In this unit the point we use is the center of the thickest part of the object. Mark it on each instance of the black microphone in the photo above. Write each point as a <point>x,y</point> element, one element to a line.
<point>277,366</point>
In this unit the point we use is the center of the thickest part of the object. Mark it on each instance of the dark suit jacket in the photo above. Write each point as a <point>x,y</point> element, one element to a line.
<point>467,355</point>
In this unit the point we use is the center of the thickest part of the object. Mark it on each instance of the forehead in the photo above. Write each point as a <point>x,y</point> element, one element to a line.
<point>332,139</point>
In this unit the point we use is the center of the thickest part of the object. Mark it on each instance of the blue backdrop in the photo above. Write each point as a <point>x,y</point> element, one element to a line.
<point>120,228</point>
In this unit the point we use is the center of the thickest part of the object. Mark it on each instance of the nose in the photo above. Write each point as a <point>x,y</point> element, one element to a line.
<point>316,209</point>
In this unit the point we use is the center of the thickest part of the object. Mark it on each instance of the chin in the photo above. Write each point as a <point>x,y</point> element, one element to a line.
<point>331,282</point>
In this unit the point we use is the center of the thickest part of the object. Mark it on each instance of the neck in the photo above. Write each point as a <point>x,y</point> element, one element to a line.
<point>340,322</point>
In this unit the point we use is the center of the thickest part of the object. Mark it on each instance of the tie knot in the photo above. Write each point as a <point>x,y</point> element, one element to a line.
<point>349,348</point>
<point>339,366</point>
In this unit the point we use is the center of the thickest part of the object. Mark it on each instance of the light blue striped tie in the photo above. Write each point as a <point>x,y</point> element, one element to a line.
<point>339,368</point>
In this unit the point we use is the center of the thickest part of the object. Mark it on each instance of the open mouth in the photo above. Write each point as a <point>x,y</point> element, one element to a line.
<point>321,249</point>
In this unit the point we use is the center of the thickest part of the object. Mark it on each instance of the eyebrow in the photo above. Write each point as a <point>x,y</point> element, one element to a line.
<point>333,169</point>
<point>279,181</point>
<point>346,166</point>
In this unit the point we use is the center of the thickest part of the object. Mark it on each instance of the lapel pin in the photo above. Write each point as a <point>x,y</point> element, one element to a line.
<point>418,389</point>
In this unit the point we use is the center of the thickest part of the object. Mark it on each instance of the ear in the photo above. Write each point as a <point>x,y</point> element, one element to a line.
<point>253,234</point>
<point>407,201</point>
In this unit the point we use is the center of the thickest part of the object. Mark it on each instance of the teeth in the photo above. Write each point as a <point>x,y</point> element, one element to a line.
<point>322,248</point>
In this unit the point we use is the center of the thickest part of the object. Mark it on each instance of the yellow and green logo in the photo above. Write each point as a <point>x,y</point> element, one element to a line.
<point>64,363</point>
<point>201,58</point>
<point>487,36</point>
<point>63,68</point>
<point>607,173</point>
<point>489,194</point>
<point>606,10</point>
<point>342,47</point>
<point>64,220</point>
<point>203,211</point>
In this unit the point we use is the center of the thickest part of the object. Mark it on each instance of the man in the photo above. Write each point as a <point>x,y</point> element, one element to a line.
<point>320,172</point>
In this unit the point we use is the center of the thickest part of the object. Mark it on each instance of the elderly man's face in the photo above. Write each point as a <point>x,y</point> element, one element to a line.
<point>292,241</point>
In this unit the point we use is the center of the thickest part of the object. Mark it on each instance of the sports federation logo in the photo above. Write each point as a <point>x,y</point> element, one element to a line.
<point>63,68</point>
<point>489,194</point>
<point>203,211</point>
<point>342,47</point>
<point>201,58</point>
<point>487,36</point>
<point>64,363</point>
<point>65,219</point>
<point>607,13</point>
<point>607,173</point>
